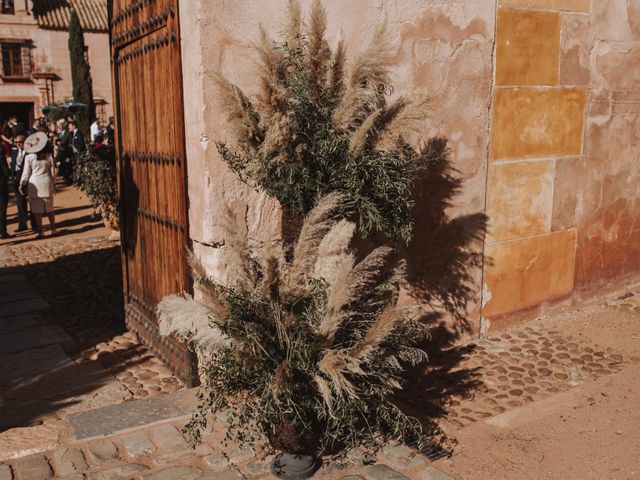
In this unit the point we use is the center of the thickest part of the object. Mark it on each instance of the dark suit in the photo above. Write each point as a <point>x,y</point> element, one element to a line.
<point>21,200</point>
<point>4,194</point>
<point>78,142</point>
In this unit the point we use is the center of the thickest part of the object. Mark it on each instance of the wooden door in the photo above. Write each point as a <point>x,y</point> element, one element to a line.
<point>147,79</point>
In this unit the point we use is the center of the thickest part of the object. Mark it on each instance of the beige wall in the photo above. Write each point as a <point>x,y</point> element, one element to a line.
<point>538,99</point>
<point>51,54</point>
<point>444,50</point>
<point>564,177</point>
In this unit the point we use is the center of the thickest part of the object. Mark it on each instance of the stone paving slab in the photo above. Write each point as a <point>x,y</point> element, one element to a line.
<point>23,295</point>
<point>32,338</point>
<point>23,306</point>
<point>19,322</point>
<point>11,278</point>
<point>130,415</point>
<point>10,288</point>
<point>31,363</point>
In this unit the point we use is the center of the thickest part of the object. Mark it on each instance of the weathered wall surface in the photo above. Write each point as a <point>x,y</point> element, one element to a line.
<point>443,49</point>
<point>563,176</point>
<point>539,100</point>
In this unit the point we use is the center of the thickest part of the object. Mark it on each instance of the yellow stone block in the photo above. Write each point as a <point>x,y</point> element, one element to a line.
<point>528,48</point>
<point>537,122</point>
<point>561,5</point>
<point>520,199</point>
<point>527,272</point>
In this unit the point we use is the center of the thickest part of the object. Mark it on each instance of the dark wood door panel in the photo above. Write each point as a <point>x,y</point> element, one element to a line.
<point>147,75</point>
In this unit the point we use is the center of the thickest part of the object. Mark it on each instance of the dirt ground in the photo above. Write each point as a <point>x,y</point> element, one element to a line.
<point>588,431</point>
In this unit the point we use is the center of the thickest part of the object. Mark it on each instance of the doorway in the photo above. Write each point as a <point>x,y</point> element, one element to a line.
<point>24,111</point>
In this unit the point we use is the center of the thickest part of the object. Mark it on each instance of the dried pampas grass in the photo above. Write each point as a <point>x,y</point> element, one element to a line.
<point>191,321</point>
<point>315,227</point>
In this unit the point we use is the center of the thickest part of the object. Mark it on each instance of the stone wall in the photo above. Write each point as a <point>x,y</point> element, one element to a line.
<point>563,167</point>
<point>444,50</point>
<point>537,98</point>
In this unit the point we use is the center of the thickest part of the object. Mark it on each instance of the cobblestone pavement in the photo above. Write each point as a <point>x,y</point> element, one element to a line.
<point>524,365</point>
<point>161,453</point>
<point>80,278</point>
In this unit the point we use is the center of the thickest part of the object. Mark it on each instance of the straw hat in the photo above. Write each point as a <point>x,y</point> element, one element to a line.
<point>35,142</point>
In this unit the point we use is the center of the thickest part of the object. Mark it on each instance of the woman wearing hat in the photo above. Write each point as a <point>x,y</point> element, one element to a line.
<point>38,179</point>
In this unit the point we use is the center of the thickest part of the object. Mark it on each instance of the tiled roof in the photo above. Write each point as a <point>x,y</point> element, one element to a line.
<point>56,14</point>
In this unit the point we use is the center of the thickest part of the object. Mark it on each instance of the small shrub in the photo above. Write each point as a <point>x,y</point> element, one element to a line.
<point>314,129</point>
<point>305,352</point>
<point>96,175</point>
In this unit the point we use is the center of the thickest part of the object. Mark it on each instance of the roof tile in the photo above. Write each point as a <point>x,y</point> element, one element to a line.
<point>56,14</point>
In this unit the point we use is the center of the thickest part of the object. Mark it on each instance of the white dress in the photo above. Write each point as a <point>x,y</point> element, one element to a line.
<point>39,174</point>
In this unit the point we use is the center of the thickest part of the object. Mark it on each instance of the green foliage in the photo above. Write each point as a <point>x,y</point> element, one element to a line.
<point>309,362</point>
<point>307,135</point>
<point>96,175</point>
<point>80,74</point>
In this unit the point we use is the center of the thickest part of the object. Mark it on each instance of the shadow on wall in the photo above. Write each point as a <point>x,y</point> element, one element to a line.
<point>444,259</point>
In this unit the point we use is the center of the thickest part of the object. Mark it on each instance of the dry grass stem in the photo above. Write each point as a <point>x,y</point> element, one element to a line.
<point>319,52</point>
<point>368,134</point>
<point>241,115</point>
<point>240,263</point>
<point>190,320</point>
<point>316,225</point>
<point>367,273</point>
<point>367,83</point>
<point>340,293</point>
<point>272,99</point>
<point>331,250</point>
<point>379,331</point>
<point>407,125</point>
<point>335,365</point>
<point>336,72</point>
<point>293,34</point>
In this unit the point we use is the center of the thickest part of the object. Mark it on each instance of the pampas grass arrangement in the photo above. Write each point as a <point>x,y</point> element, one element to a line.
<point>318,126</point>
<point>307,352</point>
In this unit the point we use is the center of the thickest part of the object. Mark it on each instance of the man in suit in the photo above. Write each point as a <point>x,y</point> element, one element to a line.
<point>77,144</point>
<point>77,139</point>
<point>4,196</point>
<point>17,164</point>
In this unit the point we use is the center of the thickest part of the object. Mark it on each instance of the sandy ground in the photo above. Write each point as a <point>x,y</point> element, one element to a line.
<point>591,431</point>
<point>73,217</point>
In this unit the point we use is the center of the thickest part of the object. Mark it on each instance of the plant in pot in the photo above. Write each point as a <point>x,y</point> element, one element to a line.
<point>96,175</point>
<point>303,352</point>
<point>305,345</point>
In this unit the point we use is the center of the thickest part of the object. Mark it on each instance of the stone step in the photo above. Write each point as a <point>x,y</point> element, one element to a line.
<point>132,415</point>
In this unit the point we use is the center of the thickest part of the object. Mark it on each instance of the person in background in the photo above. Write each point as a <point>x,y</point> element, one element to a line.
<point>110,132</point>
<point>64,151</point>
<point>4,197</point>
<point>95,129</point>
<point>35,127</point>
<point>17,165</point>
<point>77,139</point>
<point>6,135</point>
<point>98,142</point>
<point>77,147</point>
<point>38,180</point>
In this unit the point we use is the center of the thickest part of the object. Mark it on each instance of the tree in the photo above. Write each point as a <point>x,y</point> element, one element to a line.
<point>80,74</point>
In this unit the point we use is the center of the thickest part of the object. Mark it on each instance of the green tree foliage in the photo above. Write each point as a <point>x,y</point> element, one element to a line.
<point>80,74</point>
